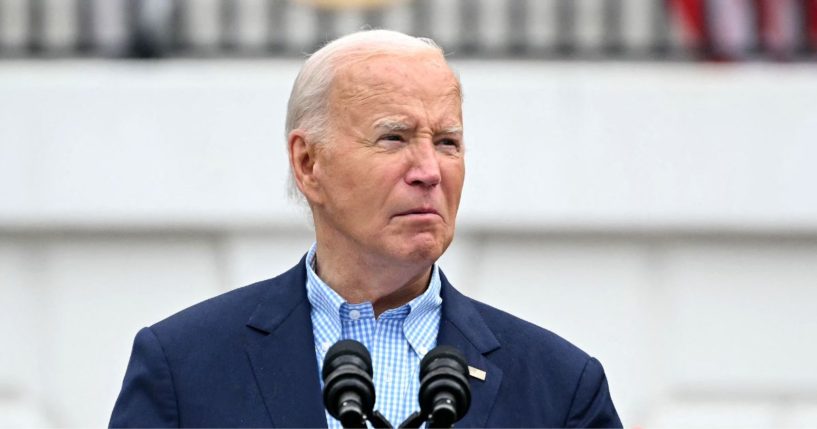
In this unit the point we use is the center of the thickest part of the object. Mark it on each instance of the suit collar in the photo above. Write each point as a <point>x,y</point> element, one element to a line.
<point>283,295</point>
<point>460,311</point>
<point>281,349</point>
<point>463,327</point>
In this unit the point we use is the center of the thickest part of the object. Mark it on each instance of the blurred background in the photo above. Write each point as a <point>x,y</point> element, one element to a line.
<point>641,180</point>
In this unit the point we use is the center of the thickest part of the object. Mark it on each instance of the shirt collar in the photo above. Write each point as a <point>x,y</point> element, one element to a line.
<point>422,323</point>
<point>323,299</point>
<point>328,303</point>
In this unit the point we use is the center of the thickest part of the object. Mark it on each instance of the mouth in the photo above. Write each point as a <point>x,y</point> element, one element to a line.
<point>419,212</point>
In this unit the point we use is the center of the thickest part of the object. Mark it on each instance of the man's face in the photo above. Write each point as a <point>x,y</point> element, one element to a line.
<point>391,173</point>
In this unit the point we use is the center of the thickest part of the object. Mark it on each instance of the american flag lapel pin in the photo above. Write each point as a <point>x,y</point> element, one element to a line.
<point>476,373</point>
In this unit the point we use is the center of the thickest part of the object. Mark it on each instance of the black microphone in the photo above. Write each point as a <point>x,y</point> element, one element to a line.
<point>445,394</point>
<point>348,391</point>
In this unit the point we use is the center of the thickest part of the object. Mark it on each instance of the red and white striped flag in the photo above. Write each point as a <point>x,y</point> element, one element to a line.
<point>732,27</point>
<point>690,16</point>
<point>779,26</point>
<point>811,23</point>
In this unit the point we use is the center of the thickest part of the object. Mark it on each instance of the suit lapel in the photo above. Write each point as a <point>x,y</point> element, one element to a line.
<point>462,326</point>
<point>281,349</point>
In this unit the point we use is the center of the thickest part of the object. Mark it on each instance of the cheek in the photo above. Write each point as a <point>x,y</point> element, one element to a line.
<point>341,173</point>
<point>381,183</point>
<point>453,180</point>
<point>367,187</point>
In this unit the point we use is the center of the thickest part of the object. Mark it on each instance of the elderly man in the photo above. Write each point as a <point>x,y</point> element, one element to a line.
<point>375,141</point>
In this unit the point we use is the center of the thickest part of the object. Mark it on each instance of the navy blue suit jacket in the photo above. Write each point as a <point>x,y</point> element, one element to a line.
<point>247,359</point>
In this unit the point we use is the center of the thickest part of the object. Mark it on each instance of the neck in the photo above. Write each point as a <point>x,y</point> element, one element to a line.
<point>358,277</point>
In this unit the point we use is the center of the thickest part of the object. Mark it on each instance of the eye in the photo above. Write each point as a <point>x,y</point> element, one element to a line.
<point>449,144</point>
<point>392,137</point>
<point>391,141</point>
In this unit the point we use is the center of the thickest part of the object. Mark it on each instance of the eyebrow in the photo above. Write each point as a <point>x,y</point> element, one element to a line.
<point>393,125</point>
<point>451,130</point>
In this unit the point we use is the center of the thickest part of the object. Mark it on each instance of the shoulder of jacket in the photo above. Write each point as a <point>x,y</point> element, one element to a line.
<point>524,337</point>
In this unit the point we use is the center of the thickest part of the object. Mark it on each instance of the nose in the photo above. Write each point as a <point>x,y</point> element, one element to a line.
<point>424,169</point>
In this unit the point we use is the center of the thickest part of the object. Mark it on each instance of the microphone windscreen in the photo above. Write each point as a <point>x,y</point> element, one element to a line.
<point>346,348</point>
<point>438,352</point>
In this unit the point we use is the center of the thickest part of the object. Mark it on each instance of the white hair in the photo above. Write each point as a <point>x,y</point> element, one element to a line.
<point>308,106</point>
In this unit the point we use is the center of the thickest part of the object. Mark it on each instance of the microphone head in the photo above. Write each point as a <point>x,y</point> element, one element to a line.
<point>347,352</point>
<point>348,391</point>
<point>431,359</point>
<point>445,394</point>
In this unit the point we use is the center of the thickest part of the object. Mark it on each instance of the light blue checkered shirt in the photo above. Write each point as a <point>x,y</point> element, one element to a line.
<point>397,340</point>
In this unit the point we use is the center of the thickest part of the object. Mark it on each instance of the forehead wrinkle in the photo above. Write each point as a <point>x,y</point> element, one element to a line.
<point>353,82</point>
<point>360,87</point>
<point>351,86</point>
<point>361,93</point>
<point>455,91</point>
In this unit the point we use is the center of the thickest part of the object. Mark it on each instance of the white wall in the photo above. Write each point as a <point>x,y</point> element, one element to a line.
<point>665,212</point>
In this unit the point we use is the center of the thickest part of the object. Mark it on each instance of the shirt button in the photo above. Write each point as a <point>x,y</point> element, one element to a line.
<point>325,346</point>
<point>422,350</point>
<point>387,378</point>
<point>354,314</point>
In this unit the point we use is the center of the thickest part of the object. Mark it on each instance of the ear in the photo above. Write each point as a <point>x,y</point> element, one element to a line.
<point>302,159</point>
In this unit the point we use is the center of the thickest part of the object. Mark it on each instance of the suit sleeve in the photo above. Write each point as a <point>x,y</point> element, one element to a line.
<point>148,398</point>
<point>592,406</point>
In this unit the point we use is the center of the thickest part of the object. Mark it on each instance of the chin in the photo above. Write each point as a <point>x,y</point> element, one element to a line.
<point>425,250</point>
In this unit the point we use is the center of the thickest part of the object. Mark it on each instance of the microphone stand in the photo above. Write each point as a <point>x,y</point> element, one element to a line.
<point>377,419</point>
<point>416,419</point>
<point>413,421</point>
